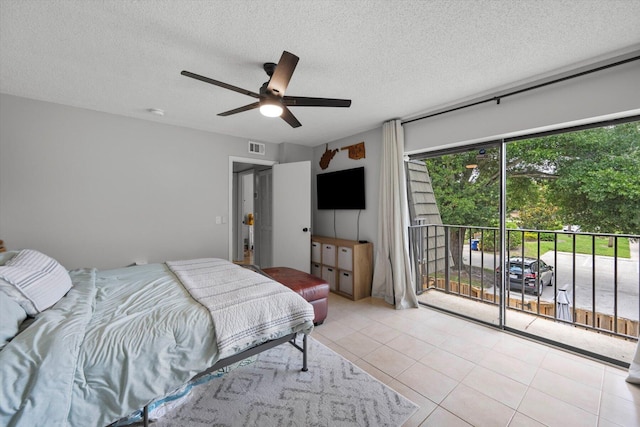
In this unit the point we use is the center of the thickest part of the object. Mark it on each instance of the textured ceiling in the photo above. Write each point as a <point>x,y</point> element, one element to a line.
<point>394,59</point>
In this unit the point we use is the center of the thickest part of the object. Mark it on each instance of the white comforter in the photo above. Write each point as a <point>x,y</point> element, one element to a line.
<point>118,340</point>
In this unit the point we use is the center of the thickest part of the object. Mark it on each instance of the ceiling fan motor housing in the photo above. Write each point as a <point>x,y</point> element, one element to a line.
<point>269,68</point>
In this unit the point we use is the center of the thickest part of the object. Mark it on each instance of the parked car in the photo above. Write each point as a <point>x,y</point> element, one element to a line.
<point>530,274</point>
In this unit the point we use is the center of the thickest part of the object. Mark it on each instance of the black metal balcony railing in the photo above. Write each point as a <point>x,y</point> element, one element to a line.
<point>586,287</point>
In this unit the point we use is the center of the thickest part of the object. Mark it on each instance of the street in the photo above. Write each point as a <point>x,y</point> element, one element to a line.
<point>628,284</point>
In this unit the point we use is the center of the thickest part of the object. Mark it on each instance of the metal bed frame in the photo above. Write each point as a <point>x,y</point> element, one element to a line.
<point>290,338</point>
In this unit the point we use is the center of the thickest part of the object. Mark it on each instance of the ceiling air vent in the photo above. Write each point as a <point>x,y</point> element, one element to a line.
<point>256,148</point>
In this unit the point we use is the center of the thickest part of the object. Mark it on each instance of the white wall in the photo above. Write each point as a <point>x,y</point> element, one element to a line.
<point>346,220</point>
<point>99,190</point>
<point>607,94</point>
<point>289,153</point>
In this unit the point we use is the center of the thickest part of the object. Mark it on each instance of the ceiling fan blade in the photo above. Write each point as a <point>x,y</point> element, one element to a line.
<point>288,117</point>
<point>241,109</point>
<point>282,74</point>
<point>303,101</point>
<point>221,84</point>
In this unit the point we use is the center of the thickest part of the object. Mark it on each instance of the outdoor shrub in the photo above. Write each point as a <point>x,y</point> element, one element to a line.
<point>547,237</point>
<point>515,238</point>
<point>532,236</point>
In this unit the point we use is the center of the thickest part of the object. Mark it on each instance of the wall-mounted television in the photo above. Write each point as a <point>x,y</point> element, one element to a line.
<point>341,189</point>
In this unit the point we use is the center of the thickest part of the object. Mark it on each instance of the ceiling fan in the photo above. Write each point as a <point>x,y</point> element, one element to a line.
<point>271,98</point>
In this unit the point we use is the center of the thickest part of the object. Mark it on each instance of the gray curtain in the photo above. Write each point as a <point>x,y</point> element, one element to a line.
<point>392,274</point>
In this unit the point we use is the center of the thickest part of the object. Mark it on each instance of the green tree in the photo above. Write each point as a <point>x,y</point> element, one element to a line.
<point>599,187</point>
<point>541,214</point>
<point>593,175</point>
<point>466,195</point>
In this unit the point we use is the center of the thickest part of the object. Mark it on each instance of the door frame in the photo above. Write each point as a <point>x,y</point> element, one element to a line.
<point>232,219</point>
<point>241,197</point>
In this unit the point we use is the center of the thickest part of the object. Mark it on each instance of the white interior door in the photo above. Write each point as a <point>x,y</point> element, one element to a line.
<point>292,215</point>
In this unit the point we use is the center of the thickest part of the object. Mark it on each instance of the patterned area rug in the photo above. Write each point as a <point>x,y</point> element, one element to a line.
<point>274,392</point>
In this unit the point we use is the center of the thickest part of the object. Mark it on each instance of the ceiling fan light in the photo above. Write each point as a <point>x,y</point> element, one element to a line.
<point>270,108</point>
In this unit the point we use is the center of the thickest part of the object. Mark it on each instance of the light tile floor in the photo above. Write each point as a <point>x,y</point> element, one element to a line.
<point>603,344</point>
<point>465,374</point>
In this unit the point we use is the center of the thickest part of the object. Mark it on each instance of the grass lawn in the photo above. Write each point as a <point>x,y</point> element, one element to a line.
<point>583,246</point>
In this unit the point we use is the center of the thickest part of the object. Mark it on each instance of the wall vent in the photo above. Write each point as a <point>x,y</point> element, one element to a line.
<point>256,148</point>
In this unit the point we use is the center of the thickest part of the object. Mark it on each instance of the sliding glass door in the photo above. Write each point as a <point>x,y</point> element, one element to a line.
<point>573,261</point>
<point>454,199</point>
<point>561,210</point>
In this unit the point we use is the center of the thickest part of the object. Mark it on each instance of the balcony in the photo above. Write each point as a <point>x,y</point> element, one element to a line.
<point>581,289</point>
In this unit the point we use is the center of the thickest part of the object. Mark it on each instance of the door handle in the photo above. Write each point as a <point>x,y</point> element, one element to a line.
<point>305,229</point>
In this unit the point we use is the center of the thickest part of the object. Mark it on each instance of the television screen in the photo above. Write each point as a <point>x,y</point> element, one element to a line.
<point>341,189</point>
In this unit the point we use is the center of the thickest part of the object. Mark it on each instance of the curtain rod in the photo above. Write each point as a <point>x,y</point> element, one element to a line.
<point>497,98</point>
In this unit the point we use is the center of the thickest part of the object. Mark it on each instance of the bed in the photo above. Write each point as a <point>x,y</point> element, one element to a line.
<point>104,344</point>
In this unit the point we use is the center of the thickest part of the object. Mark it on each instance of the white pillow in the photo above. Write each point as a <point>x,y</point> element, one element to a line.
<point>34,280</point>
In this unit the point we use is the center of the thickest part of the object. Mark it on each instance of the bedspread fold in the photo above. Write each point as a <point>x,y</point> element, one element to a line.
<point>246,308</point>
